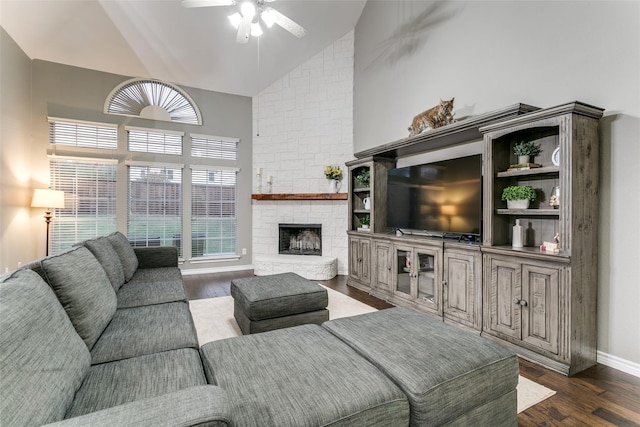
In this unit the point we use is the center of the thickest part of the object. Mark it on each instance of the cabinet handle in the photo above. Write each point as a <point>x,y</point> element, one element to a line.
<point>520,302</point>
<point>516,301</point>
<point>523,303</point>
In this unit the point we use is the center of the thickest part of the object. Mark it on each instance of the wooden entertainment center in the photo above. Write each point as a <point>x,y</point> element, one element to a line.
<point>539,303</point>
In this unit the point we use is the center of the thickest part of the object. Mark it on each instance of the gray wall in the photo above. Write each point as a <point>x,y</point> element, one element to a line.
<point>492,54</point>
<point>76,93</point>
<point>16,243</point>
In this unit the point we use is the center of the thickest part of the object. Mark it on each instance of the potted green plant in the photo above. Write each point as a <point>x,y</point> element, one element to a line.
<point>525,150</point>
<point>362,179</point>
<point>519,196</point>
<point>365,221</point>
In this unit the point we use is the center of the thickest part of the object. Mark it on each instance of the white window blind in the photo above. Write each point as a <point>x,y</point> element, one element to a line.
<point>154,200</point>
<point>213,208</point>
<point>83,134</point>
<point>162,142</point>
<point>90,201</point>
<point>214,147</point>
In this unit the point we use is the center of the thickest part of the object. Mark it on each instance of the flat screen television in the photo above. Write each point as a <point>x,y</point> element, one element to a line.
<point>444,198</point>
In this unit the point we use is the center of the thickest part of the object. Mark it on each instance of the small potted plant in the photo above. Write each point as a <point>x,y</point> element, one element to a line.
<point>519,196</point>
<point>365,221</point>
<point>525,150</point>
<point>362,179</point>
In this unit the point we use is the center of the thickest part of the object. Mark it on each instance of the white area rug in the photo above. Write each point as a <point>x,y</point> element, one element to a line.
<point>531,393</point>
<point>214,316</point>
<point>214,320</point>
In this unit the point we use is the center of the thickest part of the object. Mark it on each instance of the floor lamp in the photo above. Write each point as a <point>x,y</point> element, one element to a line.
<point>46,198</point>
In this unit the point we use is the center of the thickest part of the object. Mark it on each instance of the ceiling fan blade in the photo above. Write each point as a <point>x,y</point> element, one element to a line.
<point>287,23</point>
<point>244,30</point>
<point>207,3</point>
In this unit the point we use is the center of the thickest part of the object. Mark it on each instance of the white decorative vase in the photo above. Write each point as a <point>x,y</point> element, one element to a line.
<point>334,186</point>
<point>518,204</point>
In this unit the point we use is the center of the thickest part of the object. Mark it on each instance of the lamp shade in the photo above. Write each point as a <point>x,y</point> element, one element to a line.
<point>449,210</point>
<point>46,198</point>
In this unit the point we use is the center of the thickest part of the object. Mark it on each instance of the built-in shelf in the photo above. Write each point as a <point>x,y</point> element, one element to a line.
<point>529,212</point>
<point>300,196</point>
<point>534,171</point>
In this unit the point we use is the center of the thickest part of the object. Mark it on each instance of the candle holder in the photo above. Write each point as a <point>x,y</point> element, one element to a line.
<point>258,183</point>
<point>269,184</point>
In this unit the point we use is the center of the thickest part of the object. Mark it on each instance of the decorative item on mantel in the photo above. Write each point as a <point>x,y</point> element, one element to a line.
<point>364,223</point>
<point>362,179</point>
<point>269,184</point>
<point>334,175</point>
<point>526,150</point>
<point>258,180</point>
<point>519,196</point>
<point>433,118</point>
<point>552,247</point>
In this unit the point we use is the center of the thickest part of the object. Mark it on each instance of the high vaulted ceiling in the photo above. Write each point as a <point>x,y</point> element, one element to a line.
<point>163,40</point>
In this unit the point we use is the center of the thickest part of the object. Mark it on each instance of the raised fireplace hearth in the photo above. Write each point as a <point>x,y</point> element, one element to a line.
<point>300,239</point>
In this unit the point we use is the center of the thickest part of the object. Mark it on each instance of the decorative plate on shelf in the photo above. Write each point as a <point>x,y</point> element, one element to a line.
<point>555,157</point>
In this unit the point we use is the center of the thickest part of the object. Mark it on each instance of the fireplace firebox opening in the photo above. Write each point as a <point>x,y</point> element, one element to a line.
<point>300,239</point>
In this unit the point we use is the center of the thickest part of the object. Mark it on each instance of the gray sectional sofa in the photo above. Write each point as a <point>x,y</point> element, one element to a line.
<point>102,335</point>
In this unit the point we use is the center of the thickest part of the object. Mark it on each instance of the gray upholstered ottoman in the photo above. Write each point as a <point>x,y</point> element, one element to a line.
<point>302,376</point>
<point>266,303</point>
<point>451,376</point>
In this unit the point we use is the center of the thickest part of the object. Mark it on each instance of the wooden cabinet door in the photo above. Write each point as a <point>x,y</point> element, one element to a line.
<point>540,314</point>
<point>505,297</point>
<point>383,266</point>
<point>365,260</point>
<point>354,258</point>
<point>460,287</point>
<point>360,259</point>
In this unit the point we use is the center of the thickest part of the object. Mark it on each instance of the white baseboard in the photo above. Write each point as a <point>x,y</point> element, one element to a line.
<point>618,363</point>
<point>187,272</point>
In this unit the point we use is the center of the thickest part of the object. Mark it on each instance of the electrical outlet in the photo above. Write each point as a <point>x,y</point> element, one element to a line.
<point>244,251</point>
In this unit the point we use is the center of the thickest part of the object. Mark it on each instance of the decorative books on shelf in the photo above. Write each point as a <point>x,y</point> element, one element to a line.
<point>523,166</point>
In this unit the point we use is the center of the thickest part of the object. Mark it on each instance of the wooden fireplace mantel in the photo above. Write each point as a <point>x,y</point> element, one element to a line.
<point>300,196</point>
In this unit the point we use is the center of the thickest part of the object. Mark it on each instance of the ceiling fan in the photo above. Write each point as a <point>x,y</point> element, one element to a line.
<point>247,19</point>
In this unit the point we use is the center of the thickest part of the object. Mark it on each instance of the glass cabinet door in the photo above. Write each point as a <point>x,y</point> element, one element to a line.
<point>404,260</point>
<point>416,276</point>
<point>425,277</point>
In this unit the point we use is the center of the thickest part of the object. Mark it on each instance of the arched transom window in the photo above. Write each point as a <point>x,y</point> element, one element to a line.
<point>154,100</point>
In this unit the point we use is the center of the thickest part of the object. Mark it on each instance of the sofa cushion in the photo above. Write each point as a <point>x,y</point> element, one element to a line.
<point>47,359</point>
<point>125,253</point>
<point>445,371</point>
<point>102,249</point>
<point>128,380</point>
<point>301,376</point>
<point>152,286</point>
<point>144,330</point>
<point>83,289</point>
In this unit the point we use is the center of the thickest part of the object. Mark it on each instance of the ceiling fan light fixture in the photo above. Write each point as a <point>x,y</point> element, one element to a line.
<point>248,10</point>
<point>235,19</point>
<point>268,17</point>
<point>256,29</point>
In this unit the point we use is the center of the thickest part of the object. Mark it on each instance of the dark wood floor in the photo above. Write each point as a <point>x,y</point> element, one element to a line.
<point>599,396</point>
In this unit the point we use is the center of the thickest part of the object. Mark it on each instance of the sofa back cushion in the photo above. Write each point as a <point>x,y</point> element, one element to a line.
<point>103,250</point>
<point>43,360</point>
<point>125,252</point>
<point>83,289</point>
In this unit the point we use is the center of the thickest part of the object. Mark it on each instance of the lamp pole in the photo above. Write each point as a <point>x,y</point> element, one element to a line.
<point>47,219</point>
